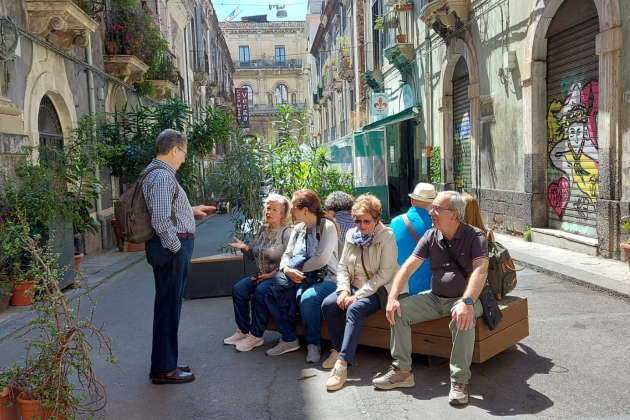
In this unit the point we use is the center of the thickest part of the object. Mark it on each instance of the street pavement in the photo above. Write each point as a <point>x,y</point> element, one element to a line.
<point>572,366</point>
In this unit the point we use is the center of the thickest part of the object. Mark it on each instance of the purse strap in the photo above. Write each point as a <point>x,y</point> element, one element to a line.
<point>363,264</point>
<point>410,228</point>
<point>454,258</point>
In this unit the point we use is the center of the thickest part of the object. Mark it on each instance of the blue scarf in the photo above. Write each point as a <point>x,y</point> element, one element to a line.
<point>362,240</point>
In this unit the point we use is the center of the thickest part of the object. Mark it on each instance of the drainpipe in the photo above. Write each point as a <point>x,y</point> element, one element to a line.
<point>97,169</point>
<point>357,76</point>
<point>428,95</point>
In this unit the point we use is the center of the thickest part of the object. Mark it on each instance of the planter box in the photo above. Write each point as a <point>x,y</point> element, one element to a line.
<point>4,302</point>
<point>215,276</point>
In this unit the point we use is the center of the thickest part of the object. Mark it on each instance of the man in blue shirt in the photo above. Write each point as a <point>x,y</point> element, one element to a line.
<point>420,222</point>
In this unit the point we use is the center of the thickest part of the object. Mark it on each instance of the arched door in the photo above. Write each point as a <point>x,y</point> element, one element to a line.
<point>49,127</point>
<point>461,127</point>
<point>572,101</point>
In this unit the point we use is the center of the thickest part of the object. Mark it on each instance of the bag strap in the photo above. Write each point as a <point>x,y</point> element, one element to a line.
<point>510,264</point>
<point>363,264</point>
<point>454,258</point>
<point>410,228</point>
<point>141,178</point>
<point>282,235</point>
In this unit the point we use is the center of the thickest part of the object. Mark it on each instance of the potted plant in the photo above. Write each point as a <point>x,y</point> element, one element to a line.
<point>626,246</point>
<point>391,22</point>
<point>379,23</point>
<point>345,54</point>
<point>403,6</point>
<point>9,408</point>
<point>56,377</point>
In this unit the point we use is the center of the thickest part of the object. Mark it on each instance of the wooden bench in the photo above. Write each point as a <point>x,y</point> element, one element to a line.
<point>433,338</point>
<point>215,275</point>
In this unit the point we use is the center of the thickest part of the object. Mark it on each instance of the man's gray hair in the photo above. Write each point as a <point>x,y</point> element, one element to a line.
<point>456,203</point>
<point>168,139</point>
<point>339,201</point>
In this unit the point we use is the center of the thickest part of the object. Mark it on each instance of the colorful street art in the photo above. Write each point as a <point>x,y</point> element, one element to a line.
<point>573,152</point>
<point>461,154</point>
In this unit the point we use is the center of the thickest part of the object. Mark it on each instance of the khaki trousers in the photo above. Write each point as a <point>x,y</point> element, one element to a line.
<point>426,307</point>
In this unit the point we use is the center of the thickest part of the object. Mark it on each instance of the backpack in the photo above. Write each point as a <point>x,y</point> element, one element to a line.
<point>132,214</point>
<point>501,270</point>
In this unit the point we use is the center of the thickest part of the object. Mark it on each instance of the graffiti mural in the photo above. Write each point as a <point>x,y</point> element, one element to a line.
<point>461,154</point>
<point>573,154</point>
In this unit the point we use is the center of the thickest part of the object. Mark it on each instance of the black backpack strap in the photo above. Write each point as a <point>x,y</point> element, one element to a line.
<point>447,245</point>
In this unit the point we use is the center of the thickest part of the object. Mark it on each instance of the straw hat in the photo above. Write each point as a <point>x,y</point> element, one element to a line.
<point>423,192</point>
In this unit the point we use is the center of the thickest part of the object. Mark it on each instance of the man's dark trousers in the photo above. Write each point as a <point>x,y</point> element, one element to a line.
<point>170,272</point>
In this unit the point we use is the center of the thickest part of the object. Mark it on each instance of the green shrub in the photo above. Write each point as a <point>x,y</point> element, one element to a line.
<point>436,165</point>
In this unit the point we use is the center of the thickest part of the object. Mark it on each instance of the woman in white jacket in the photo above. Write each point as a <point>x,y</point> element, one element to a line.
<point>368,262</point>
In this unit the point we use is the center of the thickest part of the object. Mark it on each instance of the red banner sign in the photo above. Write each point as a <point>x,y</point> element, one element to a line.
<point>242,106</point>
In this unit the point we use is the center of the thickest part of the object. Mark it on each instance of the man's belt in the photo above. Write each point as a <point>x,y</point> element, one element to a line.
<point>186,235</point>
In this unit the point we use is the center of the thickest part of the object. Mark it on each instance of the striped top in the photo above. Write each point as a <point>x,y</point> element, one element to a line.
<point>159,190</point>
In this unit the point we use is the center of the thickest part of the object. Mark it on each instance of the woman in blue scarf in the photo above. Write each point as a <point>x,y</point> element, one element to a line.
<point>368,262</point>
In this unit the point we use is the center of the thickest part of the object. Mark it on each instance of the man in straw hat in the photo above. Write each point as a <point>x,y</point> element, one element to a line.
<point>409,228</point>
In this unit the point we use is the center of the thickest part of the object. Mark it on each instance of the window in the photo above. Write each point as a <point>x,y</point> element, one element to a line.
<point>243,55</point>
<point>250,95</point>
<point>281,57</point>
<point>281,94</point>
<point>50,133</point>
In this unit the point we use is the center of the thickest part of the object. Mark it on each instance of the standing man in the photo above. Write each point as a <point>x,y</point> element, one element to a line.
<point>452,294</point>
<point>169,252</point>
<point>409,228</point>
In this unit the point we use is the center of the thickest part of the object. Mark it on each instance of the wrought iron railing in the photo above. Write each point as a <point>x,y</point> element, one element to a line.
<point>269,63</point>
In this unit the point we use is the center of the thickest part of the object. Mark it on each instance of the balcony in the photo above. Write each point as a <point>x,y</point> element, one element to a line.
<point>265,109</point>
<point>63,22</point>
<point>127,68</point>
<point>265,63</point>
<point>445,16</point>
<point>163,89</point>
<point>399,49</point>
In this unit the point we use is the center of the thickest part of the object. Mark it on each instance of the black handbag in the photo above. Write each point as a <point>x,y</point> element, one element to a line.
<point>491,311</point>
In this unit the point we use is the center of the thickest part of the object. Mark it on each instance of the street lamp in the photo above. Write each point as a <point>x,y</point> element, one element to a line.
<point>281,12</point>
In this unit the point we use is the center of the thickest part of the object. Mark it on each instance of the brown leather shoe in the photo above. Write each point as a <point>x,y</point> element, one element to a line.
<point>174,377</point>
<point>183,368</point>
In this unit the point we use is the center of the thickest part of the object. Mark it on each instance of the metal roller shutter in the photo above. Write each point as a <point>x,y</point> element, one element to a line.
<point>461,131</point>
<point>572,100</point>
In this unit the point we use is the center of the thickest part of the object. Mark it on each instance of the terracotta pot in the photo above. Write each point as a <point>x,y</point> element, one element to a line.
<point>406,8</point>
<point>112,48</point>
<point>346,64</point>
<point>121,244</point>
<point>31,409</point>
<point>23,293</point>
<point>77,261</point>
<point>401,38</point>
<point>9,408</point>
<point>626,248</point>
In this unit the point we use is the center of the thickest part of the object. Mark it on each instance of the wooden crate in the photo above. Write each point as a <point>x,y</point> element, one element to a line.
<point>433,338</point>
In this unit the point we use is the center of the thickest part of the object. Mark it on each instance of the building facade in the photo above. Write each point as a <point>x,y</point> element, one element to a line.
<point>269,62</point>
<point>523,103</point>
<point>68,59</point>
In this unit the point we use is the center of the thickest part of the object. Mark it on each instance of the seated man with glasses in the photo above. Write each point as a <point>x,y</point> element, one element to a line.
<point>451,294</point>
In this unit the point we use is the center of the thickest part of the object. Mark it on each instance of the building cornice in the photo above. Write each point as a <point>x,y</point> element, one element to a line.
<point>330,9</point>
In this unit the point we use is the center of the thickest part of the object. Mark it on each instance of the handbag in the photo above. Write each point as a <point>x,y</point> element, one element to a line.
<point>491,311</point>
<point>501,268</point>
<point>381,292</point>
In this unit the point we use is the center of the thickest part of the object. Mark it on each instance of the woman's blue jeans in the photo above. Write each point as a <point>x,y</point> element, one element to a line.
<point>310,311</point>
<point>241,293</point>
<point>345,335</point>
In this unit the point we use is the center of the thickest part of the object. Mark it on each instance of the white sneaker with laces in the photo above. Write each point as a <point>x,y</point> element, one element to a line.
<point>314,354</point>
<point>249,343</point>
<point>458,393</point>
<point>283,347</point>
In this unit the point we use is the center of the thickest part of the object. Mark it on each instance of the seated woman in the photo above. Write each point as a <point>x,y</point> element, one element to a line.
<point>310,258</point>
<point>472,216</point>
<point>268,247</point>
<point>368,262</point>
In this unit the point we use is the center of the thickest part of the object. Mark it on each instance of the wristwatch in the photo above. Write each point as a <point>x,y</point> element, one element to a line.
<point>468,301</point>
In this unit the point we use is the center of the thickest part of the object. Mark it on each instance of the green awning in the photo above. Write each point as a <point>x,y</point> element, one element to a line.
<point>396,118</point>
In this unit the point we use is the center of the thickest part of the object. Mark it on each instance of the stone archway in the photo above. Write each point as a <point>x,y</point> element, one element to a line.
<point>116,97</point>
<point>457,49</point>
<point>533,71</point>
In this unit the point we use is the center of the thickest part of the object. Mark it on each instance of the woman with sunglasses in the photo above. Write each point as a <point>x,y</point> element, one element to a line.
<point>309,265</point>
<point>368,262</point>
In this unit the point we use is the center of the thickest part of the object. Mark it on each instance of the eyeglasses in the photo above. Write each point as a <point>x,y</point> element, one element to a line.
<point>365,222</point>
<point>184,152</point>
<point>438,209</point>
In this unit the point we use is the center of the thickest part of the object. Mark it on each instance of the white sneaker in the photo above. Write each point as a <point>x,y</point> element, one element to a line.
<point>283,347</point>
<point>235,338</point>
<point>313,354</point>
<point>249,343</point>
<point>458,393</point>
